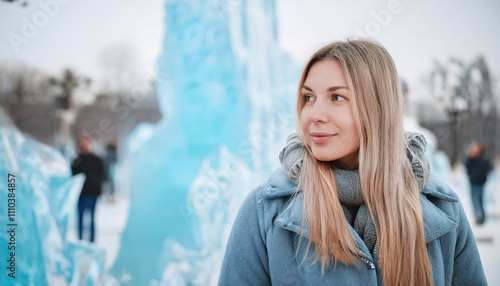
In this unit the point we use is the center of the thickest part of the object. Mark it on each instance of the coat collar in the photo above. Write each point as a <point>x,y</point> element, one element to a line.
<point>436,222</point>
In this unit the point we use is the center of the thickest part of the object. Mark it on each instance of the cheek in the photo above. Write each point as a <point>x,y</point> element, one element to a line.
<point>349,121</point>
<point>349,127</point>
<point>354,133</point>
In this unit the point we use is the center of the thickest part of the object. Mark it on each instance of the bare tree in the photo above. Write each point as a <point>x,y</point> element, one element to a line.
<point>67,84</point>
<point>115,114</point>
<point>26,96</point>
<point>467,92</point>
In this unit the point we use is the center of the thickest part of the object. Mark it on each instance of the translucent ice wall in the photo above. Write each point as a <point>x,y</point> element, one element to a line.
<point>41,210</point>
<point>227,92</point>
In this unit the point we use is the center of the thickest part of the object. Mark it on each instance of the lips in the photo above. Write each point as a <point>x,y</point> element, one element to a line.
<point>321,137</point>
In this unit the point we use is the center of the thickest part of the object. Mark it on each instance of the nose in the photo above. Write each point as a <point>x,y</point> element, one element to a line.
<point>319,112</point>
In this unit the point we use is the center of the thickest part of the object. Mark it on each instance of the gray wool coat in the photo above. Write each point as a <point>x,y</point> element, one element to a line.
<point>264,239</point>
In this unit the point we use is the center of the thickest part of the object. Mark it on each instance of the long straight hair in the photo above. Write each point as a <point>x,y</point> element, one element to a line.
<point>390,189</point>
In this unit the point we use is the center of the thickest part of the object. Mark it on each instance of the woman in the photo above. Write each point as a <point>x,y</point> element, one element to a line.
<point>353,203</point>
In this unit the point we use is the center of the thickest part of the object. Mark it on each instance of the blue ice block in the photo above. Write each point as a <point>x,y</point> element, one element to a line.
<point>223,84</point>
<point>43,201</point>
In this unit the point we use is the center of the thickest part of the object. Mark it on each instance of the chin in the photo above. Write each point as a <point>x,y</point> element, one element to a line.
<point>321,156</point>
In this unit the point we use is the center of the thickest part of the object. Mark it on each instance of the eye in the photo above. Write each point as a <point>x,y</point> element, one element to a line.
<point>308,98</point>
<point>338,97</point>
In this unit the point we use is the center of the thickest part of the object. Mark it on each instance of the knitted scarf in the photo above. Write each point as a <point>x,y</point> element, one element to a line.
<point>349,185</point>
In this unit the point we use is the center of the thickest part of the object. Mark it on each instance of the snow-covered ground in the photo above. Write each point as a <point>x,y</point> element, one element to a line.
<point>112,216</point>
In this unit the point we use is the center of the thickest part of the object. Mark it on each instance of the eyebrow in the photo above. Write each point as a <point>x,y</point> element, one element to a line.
<point>333,88</point>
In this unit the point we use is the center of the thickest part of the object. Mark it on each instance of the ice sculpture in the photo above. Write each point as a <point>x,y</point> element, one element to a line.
<point>44,201</point>
<point>227,91</point>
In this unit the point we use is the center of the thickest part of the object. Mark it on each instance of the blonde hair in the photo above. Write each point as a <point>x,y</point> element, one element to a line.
<point>390,189</point>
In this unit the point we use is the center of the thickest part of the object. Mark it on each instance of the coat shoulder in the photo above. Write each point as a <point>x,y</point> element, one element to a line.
<point>270,198</point>
<point>438,189</point>
<point>278,185</point>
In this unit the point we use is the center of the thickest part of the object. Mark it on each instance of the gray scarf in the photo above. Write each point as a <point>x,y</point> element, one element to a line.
<point>348,183</point>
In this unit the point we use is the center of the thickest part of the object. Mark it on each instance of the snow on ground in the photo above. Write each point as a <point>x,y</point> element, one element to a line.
<point>111,218</point>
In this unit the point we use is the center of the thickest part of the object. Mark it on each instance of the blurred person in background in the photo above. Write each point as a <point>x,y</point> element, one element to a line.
<point>478,168</point>
<point>93,167</point>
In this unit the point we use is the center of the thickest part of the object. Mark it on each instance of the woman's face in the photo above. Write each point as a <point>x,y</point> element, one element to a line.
<point>326,118</point>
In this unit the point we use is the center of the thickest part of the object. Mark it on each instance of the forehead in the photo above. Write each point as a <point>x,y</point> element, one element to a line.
<point>477,145</point>
<point>326,72</point>
<point>83,139</point>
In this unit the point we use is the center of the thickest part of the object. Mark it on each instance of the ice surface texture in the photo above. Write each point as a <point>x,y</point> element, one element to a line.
<point>45,203</point>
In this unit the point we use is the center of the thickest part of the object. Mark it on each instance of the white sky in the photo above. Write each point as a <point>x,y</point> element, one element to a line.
<point>424,30</point>
<point>80,32</point>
